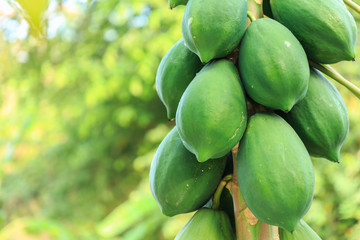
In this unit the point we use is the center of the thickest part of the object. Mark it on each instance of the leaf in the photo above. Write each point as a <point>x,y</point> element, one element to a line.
<point>33,13</point>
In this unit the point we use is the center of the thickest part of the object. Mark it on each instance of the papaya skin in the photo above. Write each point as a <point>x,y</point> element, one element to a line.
<point>208,37</point>
<point>175,3</point>
<point>211,116</point>
<point>207,224</point>
<point>275,173</point>
<point>273,65</point>
<point>321,119</point>
<point>178,182</point>
<point>176,70</point>
<point>302,232</point>
<point>325,28</point>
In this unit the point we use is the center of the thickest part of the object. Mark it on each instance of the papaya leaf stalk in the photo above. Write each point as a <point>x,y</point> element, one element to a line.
<point>217,194</point>
<point>329,71</point>
<point>352,5</point>
<point>251,16</point>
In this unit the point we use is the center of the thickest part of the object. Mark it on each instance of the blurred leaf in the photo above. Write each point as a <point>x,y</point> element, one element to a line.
<point>128,214</point>
<point>33,13</point>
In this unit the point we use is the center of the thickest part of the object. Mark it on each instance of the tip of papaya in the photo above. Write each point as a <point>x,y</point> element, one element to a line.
<point>353,59</point>
<point>170,117</point>
<point>290,226</point>
<point>334,155</point>
<point>205,57</point>
<point>170,113</point>
<point>202,157</point>
<point>287,106</point>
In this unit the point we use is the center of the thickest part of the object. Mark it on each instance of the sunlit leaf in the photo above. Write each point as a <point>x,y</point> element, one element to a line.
<point>33,11</point>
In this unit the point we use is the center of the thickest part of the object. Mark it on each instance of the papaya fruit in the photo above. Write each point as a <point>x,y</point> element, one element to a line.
<point>275,172</point>
<point>178,182</point>
<point>176,70</point>
<point>212,28</point>
<point>211,116</point>
<point>175,3</point>
<point>207,224</point>
<point>302,232</point>
<point>325,28</point>
<point>273,65</point>
<point>321,119</point>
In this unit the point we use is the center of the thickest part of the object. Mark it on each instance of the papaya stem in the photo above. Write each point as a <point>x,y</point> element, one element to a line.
<point>217,194</point>
<point>251,16</point>
<point>326,69</point>
<point>352,5</point>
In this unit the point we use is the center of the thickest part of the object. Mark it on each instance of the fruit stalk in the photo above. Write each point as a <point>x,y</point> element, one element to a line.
<point>217,195</point>
<point>329,71</point>
<point>352,5</point>
<point>251,16</point>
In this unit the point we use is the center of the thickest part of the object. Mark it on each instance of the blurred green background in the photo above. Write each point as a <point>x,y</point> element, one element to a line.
<point>81,120</point>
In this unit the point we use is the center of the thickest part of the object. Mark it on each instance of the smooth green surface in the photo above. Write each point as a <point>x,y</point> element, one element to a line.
<point>212,28</point>
<point>321,118</point>
<point>179,183</point>
<point>302,232</point>
<point>176,70</point>
<point>175,3</point>
<point>211,117</point>
<point>207,224</point>
<point>275,173</point>
<point>325,28</point>
<point>273,65</point>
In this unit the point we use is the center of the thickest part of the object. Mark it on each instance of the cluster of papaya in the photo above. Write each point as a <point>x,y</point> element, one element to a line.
<point>269,102</point>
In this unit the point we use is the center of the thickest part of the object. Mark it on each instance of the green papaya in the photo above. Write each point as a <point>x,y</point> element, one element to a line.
<point>273,65</point>
<point>213,28</point>
<point>207,224</point>
<point>175,3</point>
<point>176,70</point>
<point>178,182</point>
<point>275,172</point>
<point>321,119</point>
<point>325,28</point>
<point>302,232</point>
<point>211,116</point>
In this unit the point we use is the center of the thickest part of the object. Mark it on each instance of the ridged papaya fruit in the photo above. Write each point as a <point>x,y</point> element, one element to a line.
<point>302,232</point>
<point>273,65</point>
<point>275,172</point>
<point>176,70</point>
<point>321,119</point>
<point>211,116</point>
<point>178,182</point>
<point>325,28</point>
<point>207,224</point>
<point>175,3</point>
<point>212,28</point>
